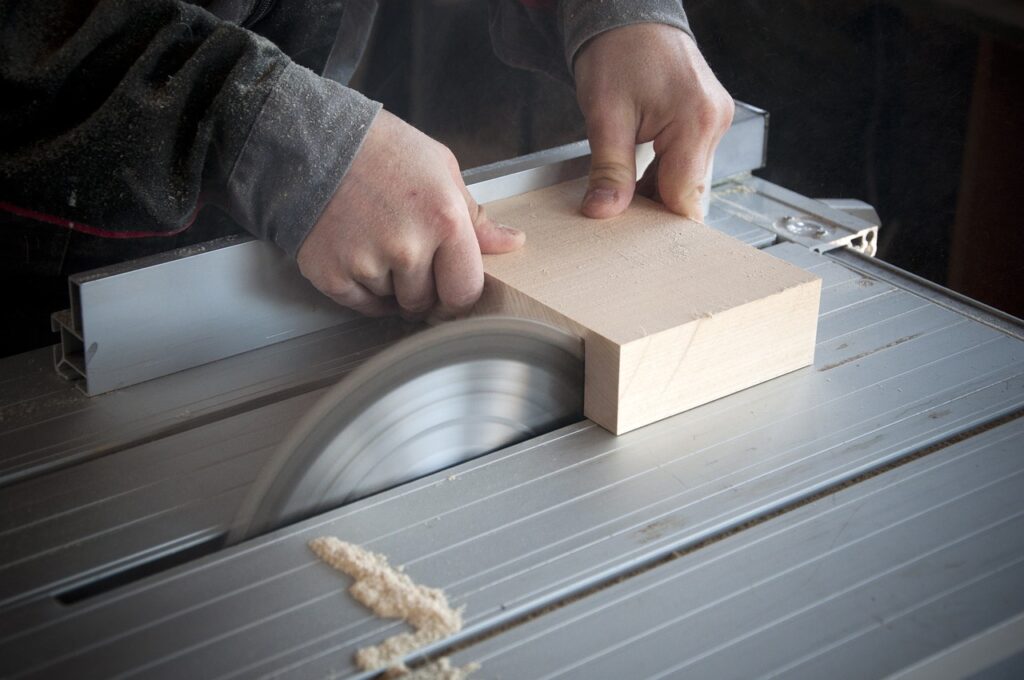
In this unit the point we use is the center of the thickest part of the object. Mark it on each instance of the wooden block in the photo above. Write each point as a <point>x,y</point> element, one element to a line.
<point>673,313</point>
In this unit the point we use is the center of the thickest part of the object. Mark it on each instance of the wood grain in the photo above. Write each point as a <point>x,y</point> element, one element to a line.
<point>673,313</point>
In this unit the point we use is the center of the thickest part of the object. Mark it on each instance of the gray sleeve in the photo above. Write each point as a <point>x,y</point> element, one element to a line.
<point>546,36</point>
<point>300,147</point>
<point>121,118</point>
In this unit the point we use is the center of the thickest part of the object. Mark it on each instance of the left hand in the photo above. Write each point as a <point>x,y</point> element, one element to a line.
<point>642,83</point>
<point>401,233</point>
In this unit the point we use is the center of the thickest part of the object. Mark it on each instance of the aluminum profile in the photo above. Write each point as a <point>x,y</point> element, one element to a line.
<point>152,317</point>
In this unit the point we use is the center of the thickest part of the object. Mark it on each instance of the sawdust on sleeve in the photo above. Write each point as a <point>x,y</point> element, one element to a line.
<point>389,593</point>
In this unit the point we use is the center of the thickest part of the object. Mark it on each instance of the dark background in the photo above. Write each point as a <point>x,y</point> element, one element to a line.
<point>915,106</point>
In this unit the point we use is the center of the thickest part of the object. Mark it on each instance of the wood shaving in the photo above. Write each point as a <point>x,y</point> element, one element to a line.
<point>436,670</point>
<point>389,593</point>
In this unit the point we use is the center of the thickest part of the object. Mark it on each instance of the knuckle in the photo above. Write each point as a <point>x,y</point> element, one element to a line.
<point>610,171</point>
<point>363,272</point>
<point>707,115</point>
<point>363,267</point>
<point>729,110</point>
<point>449,219</point>
<point>721,108</point>
<point>337,286</point>
<point>448,156</point>
<point>403,257</point>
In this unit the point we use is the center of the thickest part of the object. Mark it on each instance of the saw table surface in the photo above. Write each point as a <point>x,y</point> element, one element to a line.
<point>531,527</point>
<point>858,518</point>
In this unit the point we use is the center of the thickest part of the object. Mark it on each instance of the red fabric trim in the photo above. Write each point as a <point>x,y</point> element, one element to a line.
<point>539,4</point>
<point>86,229</point>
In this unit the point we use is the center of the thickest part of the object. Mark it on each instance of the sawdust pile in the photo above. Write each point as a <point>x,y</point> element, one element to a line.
<point>391,594</point>
<point>436,670</point>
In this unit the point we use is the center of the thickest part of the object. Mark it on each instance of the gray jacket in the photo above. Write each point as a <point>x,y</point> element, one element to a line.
<point>122,118</point>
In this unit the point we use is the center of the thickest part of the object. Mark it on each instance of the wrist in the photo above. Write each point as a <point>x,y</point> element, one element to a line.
<point>580,21</point>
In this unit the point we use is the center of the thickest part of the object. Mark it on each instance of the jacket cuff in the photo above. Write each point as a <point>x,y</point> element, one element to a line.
<point>298,150</point>
<point>581,20</point>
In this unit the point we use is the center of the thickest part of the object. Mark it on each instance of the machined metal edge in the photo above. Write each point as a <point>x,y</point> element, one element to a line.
<point>814,224</point>
<point>158,316</point>
<point>933,292</point>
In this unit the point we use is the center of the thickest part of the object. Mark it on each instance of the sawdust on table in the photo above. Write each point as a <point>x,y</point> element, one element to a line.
<point>441,669</point>
<point>389,593</point>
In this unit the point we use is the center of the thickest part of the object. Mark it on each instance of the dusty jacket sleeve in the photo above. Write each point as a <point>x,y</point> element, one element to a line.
<point>124,116</point>
<point>545,35</point>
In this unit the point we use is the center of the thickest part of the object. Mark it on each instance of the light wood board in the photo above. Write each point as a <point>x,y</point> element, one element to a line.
<point>673,313</point>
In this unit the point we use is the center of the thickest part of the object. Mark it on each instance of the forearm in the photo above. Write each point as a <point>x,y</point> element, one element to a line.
<point>297,152</point>
<point>126,116</point>
<point>546,35</point>
<point>581,20</point>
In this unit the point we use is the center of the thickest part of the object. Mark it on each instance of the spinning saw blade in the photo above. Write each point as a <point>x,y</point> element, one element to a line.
<point>439,398</point>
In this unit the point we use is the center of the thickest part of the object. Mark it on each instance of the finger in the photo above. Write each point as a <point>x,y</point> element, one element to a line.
<point>494,238</point>
<point>458,271</point>
<point>380,285</point>
<point>371,271</point>
<point>359,299</point>
<point>414,288</point>
<point>681,174</point>
<point>612,163</point>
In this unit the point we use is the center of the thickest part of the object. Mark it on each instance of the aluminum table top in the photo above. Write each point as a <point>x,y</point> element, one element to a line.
<point>508,534</point>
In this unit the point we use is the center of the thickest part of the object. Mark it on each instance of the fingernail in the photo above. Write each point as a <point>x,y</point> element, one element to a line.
<point>695,204</point>
<point>511,231</point>
<point>602,195</point>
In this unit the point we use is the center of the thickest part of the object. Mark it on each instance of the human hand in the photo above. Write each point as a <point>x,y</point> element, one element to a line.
<point>401,233</point>
<point>642,83</point>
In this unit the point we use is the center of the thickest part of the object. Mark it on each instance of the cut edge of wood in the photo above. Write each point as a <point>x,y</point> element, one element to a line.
<point>634,392</point>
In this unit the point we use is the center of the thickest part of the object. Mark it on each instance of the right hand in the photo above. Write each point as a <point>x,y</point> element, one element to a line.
<point>643,83</point>
<point>401,233</point>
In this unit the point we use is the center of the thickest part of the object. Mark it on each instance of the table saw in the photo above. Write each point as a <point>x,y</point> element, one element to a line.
<point>862,517</point>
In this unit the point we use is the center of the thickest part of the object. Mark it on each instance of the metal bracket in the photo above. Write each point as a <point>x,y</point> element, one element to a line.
<point>851,206</point>
<point>819,226</point>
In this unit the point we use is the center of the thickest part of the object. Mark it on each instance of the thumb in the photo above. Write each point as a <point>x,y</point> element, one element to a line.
<point>612,166</point>
<point>495,238</point>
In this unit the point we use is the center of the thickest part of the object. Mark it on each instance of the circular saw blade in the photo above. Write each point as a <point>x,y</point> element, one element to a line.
<point>439,398</point>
